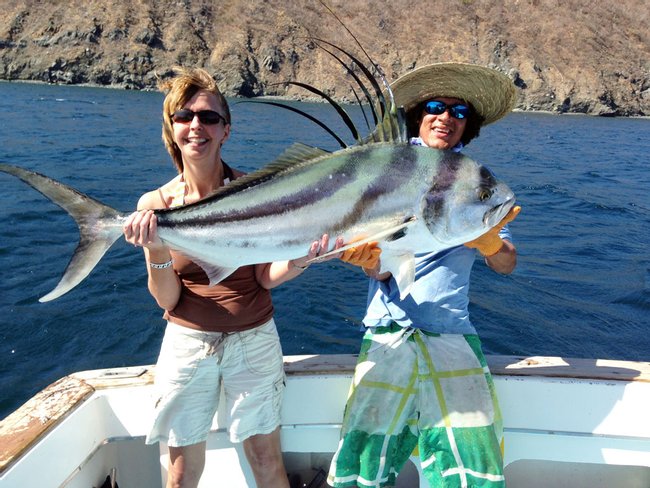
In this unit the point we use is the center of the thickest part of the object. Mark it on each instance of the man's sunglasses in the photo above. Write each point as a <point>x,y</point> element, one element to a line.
<point>457,110</point>
<point>208,117</point>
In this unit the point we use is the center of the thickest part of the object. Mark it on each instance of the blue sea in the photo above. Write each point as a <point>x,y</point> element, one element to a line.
<point>581,288</point>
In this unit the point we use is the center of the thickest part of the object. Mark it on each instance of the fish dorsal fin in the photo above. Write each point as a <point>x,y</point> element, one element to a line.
<point>299,153</point>
<point>389,120</point>
<point>391,129</point>
<point>295,154</point>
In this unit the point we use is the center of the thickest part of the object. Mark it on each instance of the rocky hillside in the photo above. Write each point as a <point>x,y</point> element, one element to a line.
<point>564,55</point>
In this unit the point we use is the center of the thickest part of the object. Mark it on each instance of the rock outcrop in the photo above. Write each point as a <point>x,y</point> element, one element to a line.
<point>565,56</point>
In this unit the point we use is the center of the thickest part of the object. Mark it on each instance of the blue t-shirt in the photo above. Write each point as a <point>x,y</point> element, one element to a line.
<point>438,301</point>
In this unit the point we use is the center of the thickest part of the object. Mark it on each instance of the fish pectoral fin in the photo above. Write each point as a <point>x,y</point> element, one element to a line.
<point>402,267</point>
<point>215,273</point>
<point>382,235</point>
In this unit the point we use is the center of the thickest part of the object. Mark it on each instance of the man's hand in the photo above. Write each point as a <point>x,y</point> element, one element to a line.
<point>490,243</point>
<point>365,255</point>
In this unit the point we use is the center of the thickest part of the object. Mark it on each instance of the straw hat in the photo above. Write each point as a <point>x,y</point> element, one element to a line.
<point>490,92</point>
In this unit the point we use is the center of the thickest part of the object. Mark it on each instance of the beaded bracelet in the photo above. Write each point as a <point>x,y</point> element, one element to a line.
<point>162,265</point>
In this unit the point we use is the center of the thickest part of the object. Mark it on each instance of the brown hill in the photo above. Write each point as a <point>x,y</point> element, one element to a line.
<point>565,55</point>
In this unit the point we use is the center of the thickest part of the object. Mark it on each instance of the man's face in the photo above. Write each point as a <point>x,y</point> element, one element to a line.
<point>442,131</point>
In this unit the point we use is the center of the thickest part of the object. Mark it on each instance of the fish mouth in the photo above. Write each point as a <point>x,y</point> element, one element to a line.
<point>493,216</point>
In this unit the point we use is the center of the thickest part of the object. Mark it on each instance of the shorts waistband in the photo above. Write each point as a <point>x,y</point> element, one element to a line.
<point>394,327</point>
<point>212,335</point>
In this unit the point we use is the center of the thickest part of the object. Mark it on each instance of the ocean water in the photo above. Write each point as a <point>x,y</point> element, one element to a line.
<point>581,288</point>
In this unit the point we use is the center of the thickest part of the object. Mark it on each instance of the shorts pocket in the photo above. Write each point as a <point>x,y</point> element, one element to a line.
<point>180,355</point>
<point>278,391</point>
<point>262,350</point>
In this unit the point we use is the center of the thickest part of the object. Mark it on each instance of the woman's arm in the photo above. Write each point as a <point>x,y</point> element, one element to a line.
<point>270,275</point>
<point>141,230</point>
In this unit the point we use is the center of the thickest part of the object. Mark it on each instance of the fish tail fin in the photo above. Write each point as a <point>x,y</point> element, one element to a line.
<point>92,246</point>
<point>99,226</point>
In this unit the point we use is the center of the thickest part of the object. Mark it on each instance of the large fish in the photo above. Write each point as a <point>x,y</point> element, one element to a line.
<point>409,199</point>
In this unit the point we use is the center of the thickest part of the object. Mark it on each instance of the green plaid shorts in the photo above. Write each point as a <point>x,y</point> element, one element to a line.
<point>411,389</point>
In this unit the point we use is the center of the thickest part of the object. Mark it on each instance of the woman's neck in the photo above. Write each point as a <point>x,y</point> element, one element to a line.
<point>201,181</point>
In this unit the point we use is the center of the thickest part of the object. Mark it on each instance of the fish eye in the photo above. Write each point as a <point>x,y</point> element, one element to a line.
<point>484,194</point>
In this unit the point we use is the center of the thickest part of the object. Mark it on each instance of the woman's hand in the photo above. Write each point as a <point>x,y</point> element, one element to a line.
<point>317,249</point>
<point>141,229</point>
<point>270,275</point>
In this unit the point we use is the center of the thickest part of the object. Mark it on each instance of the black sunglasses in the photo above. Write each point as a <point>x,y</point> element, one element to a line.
<point>457,110</point>
<point>208,117</point>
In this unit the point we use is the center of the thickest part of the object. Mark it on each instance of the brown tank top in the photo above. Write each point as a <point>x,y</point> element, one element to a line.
<point>237,303</point>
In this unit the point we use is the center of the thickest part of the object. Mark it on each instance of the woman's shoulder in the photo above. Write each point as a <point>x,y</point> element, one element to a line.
<point>162,197</point>
<point>231,173</point>
<point>237,173</point>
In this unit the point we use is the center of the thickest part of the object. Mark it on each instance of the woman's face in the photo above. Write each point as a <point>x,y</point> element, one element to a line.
<point>197,140</point>
<point>442,131</point>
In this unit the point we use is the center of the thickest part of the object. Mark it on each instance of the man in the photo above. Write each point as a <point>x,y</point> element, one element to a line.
<point>421,378</point>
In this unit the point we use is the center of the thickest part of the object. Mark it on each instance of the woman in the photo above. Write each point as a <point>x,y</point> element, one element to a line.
<point>215,334</point>
<point>421,379</point>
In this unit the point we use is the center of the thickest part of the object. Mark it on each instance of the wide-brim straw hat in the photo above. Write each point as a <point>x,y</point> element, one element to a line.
<point>491,93</point>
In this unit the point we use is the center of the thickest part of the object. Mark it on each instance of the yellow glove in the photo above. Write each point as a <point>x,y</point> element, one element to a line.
<point>365,255</point>
<point>490,243</point>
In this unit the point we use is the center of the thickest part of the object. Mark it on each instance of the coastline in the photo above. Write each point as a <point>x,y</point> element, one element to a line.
<point>306,99</point>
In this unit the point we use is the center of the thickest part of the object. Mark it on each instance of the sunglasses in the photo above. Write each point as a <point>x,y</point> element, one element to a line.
<point>457,110</point>
<point>208,117</point>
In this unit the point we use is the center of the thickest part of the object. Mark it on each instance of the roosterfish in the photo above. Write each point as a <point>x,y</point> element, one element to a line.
<point>408,199</point>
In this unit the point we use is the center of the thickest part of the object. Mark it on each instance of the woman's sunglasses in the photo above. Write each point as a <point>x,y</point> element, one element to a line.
<point>208,117</point>
<point>457,110</point>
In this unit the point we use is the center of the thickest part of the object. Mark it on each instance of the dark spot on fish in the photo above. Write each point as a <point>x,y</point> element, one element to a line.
<point>402,232</point>
<point>434,204</point>
<point>292,242</point>
<point>435,197</point>
<point>397,235</point>
<point>487,177</point>
<point>403,162</point>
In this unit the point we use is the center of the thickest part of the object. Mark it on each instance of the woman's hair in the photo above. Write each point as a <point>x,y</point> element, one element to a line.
<point>472,128</point>
<point>179,90</point>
